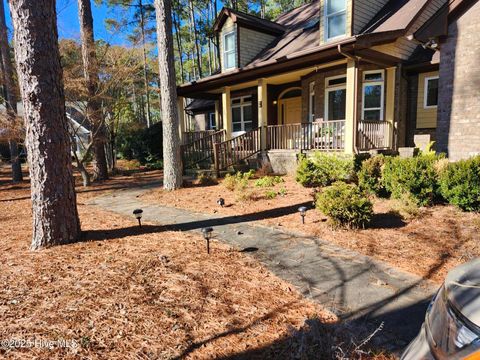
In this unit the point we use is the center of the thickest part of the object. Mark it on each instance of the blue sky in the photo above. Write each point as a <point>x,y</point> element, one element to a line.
<point>67,21</point>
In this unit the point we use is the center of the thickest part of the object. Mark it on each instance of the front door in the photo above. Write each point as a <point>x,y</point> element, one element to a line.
<point>291,110</point>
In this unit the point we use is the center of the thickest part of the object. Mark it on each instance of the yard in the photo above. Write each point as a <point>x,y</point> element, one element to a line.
<point>149,293</point>
<point>429,245</point>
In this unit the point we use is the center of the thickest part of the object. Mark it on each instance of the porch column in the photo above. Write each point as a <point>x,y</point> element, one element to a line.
<point>350,111</point>
<point>217,115</point>
<point>390,103</point>
<point>227,112</point>
<point>181,116</point>
<point>262,111</point>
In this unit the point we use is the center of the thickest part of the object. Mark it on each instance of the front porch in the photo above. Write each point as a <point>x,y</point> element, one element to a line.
<point>343,106</point>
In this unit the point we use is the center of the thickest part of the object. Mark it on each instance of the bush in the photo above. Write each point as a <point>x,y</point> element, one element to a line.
<point>324,169</point>
<point>268,181</point>
<point>270,194</point>
<point>238,182</point>
<point>370,176</point>
<point>206,179</point>
<point>345,205</point>
<point>406,206</point>
<point>416,176</point>
<point>460,184</point>
<point>153,162</point>
<point>133,141</point>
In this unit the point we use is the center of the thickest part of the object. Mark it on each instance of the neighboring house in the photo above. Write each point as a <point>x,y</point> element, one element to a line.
<point>202,115</point>
<point>343,75</point>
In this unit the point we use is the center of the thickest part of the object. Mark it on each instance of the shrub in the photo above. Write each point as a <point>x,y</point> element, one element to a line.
<point>282,191</point>
<point>406,206</point>
<point>268,181</point>
<point>416,176</point>
<point>270,194</point>
<point>324,169</point>
<point>153,162</point>
<point>370,176</point>
<point>239,181</point>
<point>206,179</point>
<point>345,205</point>
<point>460,184</point>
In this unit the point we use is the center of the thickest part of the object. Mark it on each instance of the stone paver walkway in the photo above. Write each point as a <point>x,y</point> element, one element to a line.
<point>354,286</point>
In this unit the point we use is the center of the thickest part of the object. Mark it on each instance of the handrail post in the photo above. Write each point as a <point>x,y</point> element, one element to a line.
<point>216,150</point>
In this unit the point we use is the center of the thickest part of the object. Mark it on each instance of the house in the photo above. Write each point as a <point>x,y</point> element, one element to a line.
<point>338,75</point>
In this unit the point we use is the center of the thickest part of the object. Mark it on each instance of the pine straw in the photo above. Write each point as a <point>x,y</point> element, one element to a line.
<point>440,238</point>
<point>130,293</point>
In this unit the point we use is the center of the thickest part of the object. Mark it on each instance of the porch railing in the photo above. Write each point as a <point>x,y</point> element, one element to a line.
<point>201,149</point>
<point>373,134</point>
<point>191,136</point>
<point>234,151</point>
<point>323,135</point>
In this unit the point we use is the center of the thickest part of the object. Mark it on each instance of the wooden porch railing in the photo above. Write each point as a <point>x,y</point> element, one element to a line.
<point>324,135</point>
<point>373,134</point>
<point>201,149</point>
<point>191,136</point>
<point>232,152</point>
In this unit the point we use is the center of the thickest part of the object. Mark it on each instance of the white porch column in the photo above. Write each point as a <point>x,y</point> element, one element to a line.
<point>227,112</point>
<point>350,111</point>
<point>263,111</point>
<point>217,115</point>
<point>390,103</point>
<point>181,116</point>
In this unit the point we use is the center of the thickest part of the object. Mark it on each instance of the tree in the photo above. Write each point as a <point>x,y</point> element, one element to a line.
<point>172,173</point>
<point>55,216</point>
<point>10,94</point>
<point>90,68</point>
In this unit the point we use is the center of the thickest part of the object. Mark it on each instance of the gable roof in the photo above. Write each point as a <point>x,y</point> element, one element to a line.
<point>247,20</point>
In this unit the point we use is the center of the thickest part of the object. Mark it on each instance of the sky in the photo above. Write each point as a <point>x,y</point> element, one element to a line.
<point>68,26</point>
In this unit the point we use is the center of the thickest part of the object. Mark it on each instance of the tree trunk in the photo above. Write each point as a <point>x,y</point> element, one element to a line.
<point>195,39</point>
<point>55,216</point>
<point>172,173</point>
<point>10,97</point>
<point>90,69</point>
<point>145,73</point>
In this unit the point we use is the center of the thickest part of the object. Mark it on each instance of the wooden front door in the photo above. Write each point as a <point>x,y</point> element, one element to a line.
<point>291,110</point>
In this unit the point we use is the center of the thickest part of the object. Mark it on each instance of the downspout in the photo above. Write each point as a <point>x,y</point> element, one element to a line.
<point>355,93</point>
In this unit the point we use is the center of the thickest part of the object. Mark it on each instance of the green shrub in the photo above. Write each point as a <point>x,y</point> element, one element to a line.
<point>282,191</point>
<point>206,179</point>
<point>460,184</point>
<point>239,181</point>
<point>270,194</point>
<point>345,205</point>
<point>153,162</point>
<point>324,169</point>
<point>268,181</point>
<point>359,159</point>
<point>416,176</point>
<point>370,176</point>
<point>406,206</point>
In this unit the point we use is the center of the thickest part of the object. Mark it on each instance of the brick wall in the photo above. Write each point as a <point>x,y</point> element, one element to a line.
<point>458,121</point>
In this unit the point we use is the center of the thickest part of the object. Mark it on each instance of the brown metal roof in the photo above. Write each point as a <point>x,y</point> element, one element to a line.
<point>249,21</point>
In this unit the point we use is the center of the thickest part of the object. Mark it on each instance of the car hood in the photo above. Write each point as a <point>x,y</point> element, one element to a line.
<point>463,290</point>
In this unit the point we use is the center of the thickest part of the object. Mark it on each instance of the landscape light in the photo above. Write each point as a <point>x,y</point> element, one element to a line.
<point>221,202</point>
<point>207,233</point>
<point>303,212</point>
<point>138,215</point>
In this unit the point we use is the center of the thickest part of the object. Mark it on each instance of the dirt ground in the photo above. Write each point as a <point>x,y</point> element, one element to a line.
<point>124,292</point>
<point>438,239</point>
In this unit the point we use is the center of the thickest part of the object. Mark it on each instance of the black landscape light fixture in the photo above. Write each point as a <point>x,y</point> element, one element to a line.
<point>221,202</point>
<point>138,215</point>
<point>303,212</point>
<point>207,234</point>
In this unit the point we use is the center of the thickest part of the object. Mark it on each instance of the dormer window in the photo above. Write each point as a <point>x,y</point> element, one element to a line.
<point>335,18</point>
<point>229,50</point>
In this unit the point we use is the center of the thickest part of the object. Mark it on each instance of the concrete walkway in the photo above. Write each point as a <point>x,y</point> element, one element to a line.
<point>354,286</point>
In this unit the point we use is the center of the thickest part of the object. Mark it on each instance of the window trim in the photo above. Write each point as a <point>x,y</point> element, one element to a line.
<point>326,16</point>
<point>311,99</point>
<point>425,91</point>
<point>242,104</point>
<point>329,88</point>
<point>234,51</point>
<point>210,123</point>
<point>382,93</point>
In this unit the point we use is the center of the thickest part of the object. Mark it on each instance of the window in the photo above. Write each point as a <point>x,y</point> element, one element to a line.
<point>335,18</point>
<point>242,115</point>
<point>211,121</point>
<point>430,96</point>
<point>311,102</point>
<point>372,98</point>
<point>335,97</point>
<point>229,52</point>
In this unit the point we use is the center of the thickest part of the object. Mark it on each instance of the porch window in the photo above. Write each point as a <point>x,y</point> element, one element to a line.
<point>372,99</point>
<point>335,97</point>
<point>311,102</point>
<point>229,52</point>
<point>211,121</point>
<point>335,18</point>
<point>430,96</point>
<point>242,115</point>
